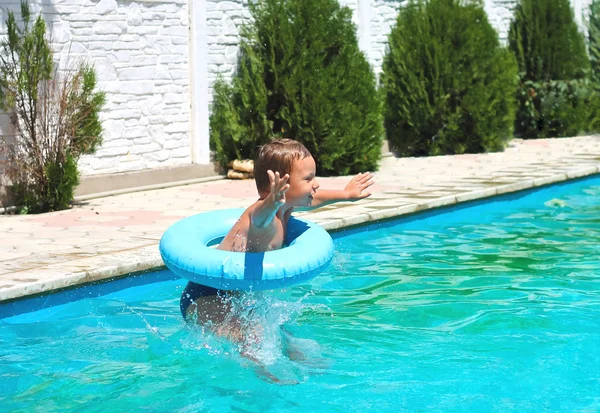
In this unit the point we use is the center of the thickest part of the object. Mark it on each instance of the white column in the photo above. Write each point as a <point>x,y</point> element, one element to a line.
<point>581,9</point>
<point>199,81</point>
<point>364,27</point>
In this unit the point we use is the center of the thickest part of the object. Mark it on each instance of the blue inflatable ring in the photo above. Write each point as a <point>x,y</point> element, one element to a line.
<point>186,250</point>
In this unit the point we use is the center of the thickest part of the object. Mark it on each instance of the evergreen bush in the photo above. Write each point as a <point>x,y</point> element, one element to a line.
<point>300,75</point>
<point>54,116</point>
<point>555,95</point>
<point>448,84</point>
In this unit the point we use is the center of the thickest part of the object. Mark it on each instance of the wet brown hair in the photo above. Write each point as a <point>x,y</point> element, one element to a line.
<point>278,155</point>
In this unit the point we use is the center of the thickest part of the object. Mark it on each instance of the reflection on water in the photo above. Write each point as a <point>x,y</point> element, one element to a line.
<point>493,307</point>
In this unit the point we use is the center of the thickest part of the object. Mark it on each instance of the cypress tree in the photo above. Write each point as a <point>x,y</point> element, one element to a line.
<point>546,41</point>
<point>300,75</point>
<point>555,92</point>
<point>448,84</point>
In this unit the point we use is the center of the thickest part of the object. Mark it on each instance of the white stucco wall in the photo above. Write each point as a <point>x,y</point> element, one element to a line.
<point>158,60</point>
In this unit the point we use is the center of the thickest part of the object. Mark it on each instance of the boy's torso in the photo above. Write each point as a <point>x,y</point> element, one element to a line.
<point>241,238</point>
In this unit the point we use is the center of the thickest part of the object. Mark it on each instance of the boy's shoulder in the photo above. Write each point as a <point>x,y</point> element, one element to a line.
<point>248,211</point>
<point>246,217</point>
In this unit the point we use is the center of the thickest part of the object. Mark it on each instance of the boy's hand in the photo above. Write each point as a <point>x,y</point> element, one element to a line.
<point>356,187</point>
<point>279,187</point>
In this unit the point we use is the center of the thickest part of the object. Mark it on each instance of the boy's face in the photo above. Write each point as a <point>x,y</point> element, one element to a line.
<point>303,184</point>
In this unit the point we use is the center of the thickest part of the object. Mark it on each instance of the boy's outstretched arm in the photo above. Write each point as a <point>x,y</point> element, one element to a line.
<point>263,214</point>
<point>355,189</point>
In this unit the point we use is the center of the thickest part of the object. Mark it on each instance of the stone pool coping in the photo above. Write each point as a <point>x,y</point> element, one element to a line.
<point>109,237</point>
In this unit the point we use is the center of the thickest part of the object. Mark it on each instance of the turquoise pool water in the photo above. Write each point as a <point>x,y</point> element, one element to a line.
<point>492,306</point>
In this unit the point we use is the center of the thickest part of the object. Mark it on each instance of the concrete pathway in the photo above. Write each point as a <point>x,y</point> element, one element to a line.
<point>117,235</point>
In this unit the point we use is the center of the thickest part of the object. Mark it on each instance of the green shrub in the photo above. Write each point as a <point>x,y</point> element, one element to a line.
<point>555,99</point>
<point>62,180</point>
<point>54,117</point>
<point>557,108</point>
<point>300,75</point>
<point>449,86</point>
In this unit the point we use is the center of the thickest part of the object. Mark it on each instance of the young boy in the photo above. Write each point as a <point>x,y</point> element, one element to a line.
<point>285,178</point>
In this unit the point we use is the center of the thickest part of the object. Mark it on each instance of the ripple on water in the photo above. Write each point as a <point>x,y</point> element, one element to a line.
<point>489,308</point>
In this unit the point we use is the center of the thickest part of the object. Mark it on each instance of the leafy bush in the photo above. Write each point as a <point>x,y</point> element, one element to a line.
<point>555,99</point>
<point>54,116</point>
<point>448,84</point>
<point>556,108</point>
<point>300,75</point>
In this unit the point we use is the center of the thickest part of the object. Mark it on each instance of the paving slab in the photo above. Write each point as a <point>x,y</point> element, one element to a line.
<point>117,235</point>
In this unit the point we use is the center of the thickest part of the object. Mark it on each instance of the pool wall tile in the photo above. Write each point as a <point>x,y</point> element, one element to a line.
<point>439,202</point>
<point>579,173</point>
<point>516,186</point>
<point>550,179</point>
<point>480,193</point>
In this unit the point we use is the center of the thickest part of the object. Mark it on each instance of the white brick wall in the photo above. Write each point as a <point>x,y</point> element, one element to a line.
<point>141,50</point>
<point>141,54</point>
<point>223,22</point>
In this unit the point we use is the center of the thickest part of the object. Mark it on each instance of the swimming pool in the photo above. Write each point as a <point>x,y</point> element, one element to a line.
<point>489,306</point>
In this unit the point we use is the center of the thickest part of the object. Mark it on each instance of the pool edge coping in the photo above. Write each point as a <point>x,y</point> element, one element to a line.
<point>150,257</point>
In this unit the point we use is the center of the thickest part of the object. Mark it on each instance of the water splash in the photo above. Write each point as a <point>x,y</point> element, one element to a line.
<point>264,341</point>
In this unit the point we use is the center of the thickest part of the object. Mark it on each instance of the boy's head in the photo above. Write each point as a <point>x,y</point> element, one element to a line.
<point>278,155</point>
